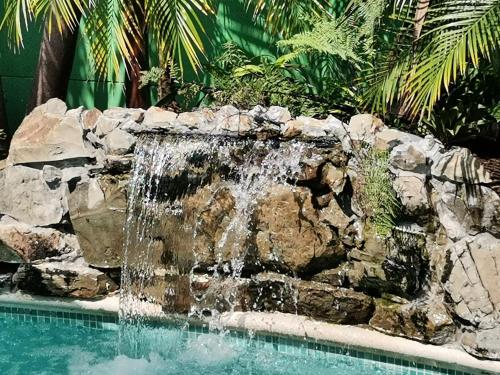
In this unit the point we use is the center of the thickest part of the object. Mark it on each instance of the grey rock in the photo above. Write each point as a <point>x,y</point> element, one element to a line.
<point>229,120</point>
<point>460,166</point>
<point>483,343</point>
<point>53,106</point>
<point>118,113</point>
<point>412,191</point>
<point>278,115</point>
<point>466,209</point>
<point>387,139</point>
<point>74,174</point>
<point>32,200</point>
<point>106,125</point>
<point>52,176</point>
<point>158,118</point>
<point>258,112</point>
<point>97,211</point>
<point>409,157</point>
<point>119,142</point>
<point>472,279</point>
<point>45,137</point>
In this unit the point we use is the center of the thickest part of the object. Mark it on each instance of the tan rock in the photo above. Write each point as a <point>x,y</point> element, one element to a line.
<point>89,119</point>
<point>45,137</point>
<point>20,242</point>
<point>334,177</point>
<point>290,233</point>
<point>97,211</point>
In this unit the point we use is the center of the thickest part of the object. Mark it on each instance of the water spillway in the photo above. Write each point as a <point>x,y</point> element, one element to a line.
<point>190,234</point>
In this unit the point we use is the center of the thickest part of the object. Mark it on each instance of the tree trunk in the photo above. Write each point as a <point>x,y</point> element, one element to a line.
<point>4,143</point>
<point>55,63</point>
<point>420,16</point>
<point>137,97</point>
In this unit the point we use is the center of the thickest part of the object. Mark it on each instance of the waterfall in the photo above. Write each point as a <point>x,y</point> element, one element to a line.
<point>190,210</point>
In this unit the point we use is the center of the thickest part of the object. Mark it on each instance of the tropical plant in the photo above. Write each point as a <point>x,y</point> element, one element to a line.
<point>377,196</point>
<point>408,57</point>
<point>114,27</point>
<point>238,79</point>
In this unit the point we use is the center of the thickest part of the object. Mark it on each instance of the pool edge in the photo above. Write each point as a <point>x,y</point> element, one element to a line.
<point>291,326</point>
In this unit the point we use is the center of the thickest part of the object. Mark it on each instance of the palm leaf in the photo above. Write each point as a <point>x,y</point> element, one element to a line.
<point>111,29</point>
<point>462,32</point>
<point>177,28</point>
<point>287,17</point>
<point>20,13</point>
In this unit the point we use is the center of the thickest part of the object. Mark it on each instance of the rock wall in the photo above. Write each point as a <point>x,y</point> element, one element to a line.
<point>436,279</point>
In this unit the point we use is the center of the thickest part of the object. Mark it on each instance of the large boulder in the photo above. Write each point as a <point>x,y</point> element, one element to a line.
<point>64,279</point>
<point>47,135</point>
<point>472,278</point>
<point>290,234</point>
<point>426,321</point>
<point>97,209</point>
<point>20,242</point>
<point>32,196</point>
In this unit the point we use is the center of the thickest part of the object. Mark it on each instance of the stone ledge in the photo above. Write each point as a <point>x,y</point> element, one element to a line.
<point>302,327</point>
<point>292,326</point>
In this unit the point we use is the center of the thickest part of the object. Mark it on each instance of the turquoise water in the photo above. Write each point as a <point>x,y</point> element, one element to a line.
<point>41,345</point>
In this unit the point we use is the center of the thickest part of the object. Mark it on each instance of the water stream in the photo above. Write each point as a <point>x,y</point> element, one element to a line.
<point>180,187</point>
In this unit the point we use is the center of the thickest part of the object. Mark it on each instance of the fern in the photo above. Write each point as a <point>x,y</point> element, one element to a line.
<point>378,197</point>
<point>349,37</point>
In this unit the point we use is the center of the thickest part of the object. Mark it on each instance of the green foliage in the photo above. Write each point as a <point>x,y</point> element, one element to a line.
<point>151,77</point>
<point>469,110</point>
<point>286,17</point>
<point>456,36</point>
<point>378,197</point>
<point>115,29</point>
<point>244,82</point>
<point>413,77</point>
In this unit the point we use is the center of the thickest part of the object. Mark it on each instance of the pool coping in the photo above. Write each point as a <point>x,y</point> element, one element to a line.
<point>290,326</point>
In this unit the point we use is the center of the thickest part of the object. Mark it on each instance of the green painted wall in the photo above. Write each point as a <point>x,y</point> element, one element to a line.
<point>233,22</point>
<point>17,69</point>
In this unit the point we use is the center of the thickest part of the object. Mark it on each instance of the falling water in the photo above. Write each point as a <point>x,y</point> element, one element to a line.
<point>163,232</point>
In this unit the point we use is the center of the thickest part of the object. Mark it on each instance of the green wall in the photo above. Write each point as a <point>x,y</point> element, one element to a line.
<point>17,69</point>
<point>232,23</point>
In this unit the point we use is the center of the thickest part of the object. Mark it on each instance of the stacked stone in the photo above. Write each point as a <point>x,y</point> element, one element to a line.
<point>63,203</point>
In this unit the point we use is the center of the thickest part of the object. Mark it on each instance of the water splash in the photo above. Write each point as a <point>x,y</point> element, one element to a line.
<point>165,239</point>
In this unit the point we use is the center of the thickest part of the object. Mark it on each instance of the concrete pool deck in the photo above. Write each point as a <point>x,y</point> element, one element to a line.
<point>293,326</point>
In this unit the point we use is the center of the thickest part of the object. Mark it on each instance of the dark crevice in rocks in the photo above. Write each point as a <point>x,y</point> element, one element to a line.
<point>344,199</point>
<point>7,272</point>
<point>113,273</point>
<point>61,164</point>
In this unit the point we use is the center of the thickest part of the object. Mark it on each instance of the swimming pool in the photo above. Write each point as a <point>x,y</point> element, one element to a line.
<point>37,341</point>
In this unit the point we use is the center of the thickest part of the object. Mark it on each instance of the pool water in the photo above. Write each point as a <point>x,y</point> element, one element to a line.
<point>30,344</point>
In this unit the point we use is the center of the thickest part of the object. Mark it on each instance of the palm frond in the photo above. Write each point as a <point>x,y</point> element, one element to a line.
<point>110,31</point>
<point>177,28</point>
<point>20,13</point>
<point>287,17</point>
<point>461,33</point>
